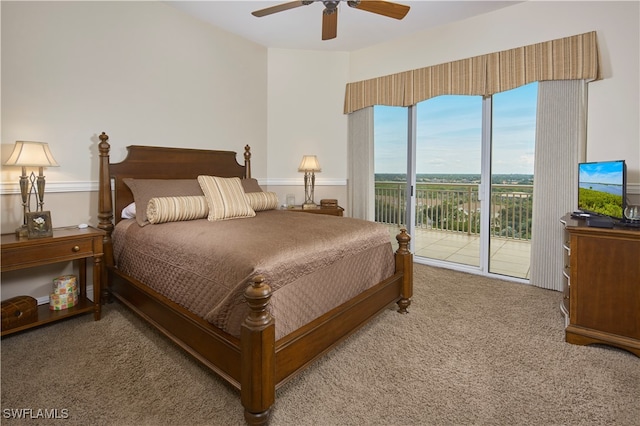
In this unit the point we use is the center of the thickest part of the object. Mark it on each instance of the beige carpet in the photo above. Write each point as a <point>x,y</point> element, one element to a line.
<point>472,351</point>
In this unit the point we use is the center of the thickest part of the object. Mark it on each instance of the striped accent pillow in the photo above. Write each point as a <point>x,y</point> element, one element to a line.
<point>262,200</point>
<point>174,209</point>
<point>226,198</point>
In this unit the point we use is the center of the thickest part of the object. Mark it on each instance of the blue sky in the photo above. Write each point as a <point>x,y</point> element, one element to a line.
<point>449,134</point>
<point>609,172</point>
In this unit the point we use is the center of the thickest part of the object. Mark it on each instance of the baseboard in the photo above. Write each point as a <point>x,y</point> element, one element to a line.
<point>44,300</point>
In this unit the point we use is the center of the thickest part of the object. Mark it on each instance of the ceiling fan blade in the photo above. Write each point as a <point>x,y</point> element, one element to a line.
<point>386,8</point>
<point>329,24</point>
<point>279,8</point>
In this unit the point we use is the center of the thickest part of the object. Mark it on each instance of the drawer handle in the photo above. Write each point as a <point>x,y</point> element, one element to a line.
<point>76,249</point>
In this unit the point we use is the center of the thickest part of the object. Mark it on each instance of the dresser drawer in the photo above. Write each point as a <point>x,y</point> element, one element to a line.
<point>46,252</point>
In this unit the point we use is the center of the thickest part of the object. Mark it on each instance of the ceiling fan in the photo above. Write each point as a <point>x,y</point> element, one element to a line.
<point>330,13</point>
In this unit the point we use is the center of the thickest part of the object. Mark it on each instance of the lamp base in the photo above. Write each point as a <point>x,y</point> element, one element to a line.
<point>22,232</point>
<point>309,206</point>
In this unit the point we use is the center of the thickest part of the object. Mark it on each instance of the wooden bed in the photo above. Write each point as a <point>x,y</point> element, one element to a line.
<point>255,363</point>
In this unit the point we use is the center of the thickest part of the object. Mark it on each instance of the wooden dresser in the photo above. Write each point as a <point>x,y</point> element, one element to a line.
<point>602,285</point>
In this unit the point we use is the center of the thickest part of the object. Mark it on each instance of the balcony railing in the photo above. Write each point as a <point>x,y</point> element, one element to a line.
<point>455,207</point>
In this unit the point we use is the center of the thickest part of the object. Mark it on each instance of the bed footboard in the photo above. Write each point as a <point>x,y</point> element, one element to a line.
<point>268,364</point>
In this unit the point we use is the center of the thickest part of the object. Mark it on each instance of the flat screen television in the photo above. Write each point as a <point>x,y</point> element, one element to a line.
<point>602,188</point>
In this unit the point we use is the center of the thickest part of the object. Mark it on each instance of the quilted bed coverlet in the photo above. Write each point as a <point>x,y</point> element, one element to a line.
<point>313,263</point>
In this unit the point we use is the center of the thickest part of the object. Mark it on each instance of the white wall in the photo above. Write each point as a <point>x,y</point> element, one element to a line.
<point>305,116</point>
<point>140,71</point>
<point>613,118</point>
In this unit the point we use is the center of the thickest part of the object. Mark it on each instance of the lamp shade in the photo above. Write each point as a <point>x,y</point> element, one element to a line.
<point>309,164</point>
<point>31,154</point>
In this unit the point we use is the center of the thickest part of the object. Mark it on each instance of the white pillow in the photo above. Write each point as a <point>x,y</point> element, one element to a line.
<point>129,212</point>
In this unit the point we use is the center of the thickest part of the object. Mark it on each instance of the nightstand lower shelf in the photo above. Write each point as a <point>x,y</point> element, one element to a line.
<point>46,315</point>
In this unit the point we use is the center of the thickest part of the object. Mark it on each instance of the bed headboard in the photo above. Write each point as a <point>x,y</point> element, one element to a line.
<point>153,162</point>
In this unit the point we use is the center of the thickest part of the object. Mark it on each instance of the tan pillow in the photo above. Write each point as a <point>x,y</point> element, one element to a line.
<point>226,198</point>
<point>144,190</point>
<point>262,200</point>
<point>250,185</point>
<point>175,209</point>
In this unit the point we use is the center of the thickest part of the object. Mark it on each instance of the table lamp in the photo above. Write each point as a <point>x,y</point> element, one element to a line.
<point>309,166</point>
<point>31,154</point>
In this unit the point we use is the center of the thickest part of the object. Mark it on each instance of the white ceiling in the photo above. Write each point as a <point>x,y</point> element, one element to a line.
<point>300,28</point>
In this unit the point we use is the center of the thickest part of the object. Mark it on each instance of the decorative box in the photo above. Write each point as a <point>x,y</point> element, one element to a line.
<point>65,293</point>
<point>60,302</point>
<point>329,203</point>
<point>19,310</point>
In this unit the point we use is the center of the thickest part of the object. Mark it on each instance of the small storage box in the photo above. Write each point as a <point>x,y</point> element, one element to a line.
<point>329,203</point>
<point>19,310</point>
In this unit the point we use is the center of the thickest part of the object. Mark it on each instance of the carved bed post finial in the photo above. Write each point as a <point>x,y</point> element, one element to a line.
<point>404,263</point>
<point>403,241</point>
<point>258,295</point>
<point>247,161</point>
<point>258,350</point>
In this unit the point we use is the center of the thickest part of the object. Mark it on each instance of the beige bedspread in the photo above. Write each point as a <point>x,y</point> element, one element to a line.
<point>313,263</point>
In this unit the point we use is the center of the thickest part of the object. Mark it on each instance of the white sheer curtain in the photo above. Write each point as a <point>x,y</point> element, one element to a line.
<point>560,146</point>
<point>361,184</point>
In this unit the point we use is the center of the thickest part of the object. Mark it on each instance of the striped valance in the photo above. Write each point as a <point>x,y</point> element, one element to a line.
<point>569,58</point>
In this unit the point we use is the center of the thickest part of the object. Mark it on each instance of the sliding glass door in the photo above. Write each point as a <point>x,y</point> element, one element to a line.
<point>390,167</point>
<point>513,149</point>
<point>448,164</point>
<point>457,171</point>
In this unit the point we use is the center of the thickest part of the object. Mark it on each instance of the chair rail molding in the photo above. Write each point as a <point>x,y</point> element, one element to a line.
<point>9,188</point>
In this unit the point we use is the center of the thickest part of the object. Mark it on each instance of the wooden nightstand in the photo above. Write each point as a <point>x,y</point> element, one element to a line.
<point>335,211</point>
<point>67,244</point>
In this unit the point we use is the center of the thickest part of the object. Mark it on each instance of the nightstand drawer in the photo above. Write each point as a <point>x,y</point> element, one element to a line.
<point>53,251</point>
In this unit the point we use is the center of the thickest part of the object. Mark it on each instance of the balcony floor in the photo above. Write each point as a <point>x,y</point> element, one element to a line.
<point>508,257</point>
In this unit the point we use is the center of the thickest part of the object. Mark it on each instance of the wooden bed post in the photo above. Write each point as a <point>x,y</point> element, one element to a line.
<point>247,162</point>
<point>258,355</point>
<point>404,263</point>
<point>105,211</point>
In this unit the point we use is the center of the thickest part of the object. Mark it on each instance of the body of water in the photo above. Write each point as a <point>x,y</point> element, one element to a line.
<point>603,187</point>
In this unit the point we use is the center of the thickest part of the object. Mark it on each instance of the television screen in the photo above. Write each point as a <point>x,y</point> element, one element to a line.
<point>602,188</point>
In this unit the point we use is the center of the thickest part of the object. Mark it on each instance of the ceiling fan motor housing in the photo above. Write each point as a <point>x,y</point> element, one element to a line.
<point>330,6</point>
<point>330,12</point>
